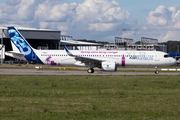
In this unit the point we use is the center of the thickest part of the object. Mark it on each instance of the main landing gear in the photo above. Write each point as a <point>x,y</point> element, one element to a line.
<point>156,71</point>
<point>90,70</point>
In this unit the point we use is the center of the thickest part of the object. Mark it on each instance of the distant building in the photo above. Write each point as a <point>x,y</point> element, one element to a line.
<point>127,44</point>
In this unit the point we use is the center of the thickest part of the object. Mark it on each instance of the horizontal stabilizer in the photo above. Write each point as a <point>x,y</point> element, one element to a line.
<point>15,54</point>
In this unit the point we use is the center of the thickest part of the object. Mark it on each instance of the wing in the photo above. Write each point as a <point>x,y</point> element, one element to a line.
<point>85,60</point>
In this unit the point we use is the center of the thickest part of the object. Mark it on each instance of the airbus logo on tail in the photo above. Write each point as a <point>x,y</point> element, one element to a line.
<point>19,42</point>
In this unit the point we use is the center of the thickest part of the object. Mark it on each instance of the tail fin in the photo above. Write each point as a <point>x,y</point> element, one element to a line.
<point>20,43</point>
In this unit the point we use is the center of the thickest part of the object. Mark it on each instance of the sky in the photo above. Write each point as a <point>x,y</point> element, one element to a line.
<point>96,19</point>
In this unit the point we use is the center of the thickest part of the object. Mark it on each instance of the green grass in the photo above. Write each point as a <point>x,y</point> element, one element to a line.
<point>89,97</point>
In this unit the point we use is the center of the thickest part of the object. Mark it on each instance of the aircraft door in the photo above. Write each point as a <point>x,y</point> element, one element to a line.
<point>156,56</point>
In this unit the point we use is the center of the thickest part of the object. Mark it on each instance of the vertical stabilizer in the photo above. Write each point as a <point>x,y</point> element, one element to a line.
<point>19,43</point>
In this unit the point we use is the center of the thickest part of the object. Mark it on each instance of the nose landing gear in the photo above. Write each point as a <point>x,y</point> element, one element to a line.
<point>156,71</point>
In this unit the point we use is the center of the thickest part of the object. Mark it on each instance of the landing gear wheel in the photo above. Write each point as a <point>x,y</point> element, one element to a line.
<point>156,72</point>
<point>90,70</point>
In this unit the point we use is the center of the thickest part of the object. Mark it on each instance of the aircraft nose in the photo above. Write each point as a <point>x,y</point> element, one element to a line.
<point>173,61</point>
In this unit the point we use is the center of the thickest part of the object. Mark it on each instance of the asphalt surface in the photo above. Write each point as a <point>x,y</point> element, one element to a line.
<point>73,72</point>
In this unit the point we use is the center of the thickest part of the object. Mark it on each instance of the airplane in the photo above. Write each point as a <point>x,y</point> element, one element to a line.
<point>106,60</point>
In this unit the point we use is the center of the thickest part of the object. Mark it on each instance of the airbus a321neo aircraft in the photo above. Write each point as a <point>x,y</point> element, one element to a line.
<point>106,60</point>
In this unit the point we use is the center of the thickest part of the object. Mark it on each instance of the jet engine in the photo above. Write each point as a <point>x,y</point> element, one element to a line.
<point>79,63</point>
<point>108,66</point>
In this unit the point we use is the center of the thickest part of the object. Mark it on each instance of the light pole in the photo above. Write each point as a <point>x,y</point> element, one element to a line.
<point>177,48</point>
<point>2,48</point>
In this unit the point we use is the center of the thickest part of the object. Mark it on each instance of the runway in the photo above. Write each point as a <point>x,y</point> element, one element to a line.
<point>73,72</point>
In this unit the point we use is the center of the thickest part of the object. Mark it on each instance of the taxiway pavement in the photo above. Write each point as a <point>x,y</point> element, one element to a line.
<point>73,72</point>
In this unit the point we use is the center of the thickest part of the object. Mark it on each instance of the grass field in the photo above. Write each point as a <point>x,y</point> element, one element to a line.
<point>89,97</point>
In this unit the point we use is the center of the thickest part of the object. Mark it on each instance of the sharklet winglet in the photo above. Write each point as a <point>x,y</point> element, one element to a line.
<point>67,51</point>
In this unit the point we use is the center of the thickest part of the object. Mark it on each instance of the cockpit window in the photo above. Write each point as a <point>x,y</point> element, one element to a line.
<point>166,55</point>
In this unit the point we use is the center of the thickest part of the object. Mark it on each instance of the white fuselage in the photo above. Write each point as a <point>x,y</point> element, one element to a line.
<point>121,58</point>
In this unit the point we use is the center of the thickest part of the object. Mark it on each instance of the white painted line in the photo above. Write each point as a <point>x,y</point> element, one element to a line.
<point>178,69</point>
<point>37,67</point>
<point>172,69</point>
<point>163,69</point>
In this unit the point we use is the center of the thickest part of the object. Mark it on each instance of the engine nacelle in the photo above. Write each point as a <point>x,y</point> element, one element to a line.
<point>79,63</point>
<point>108,66</point>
